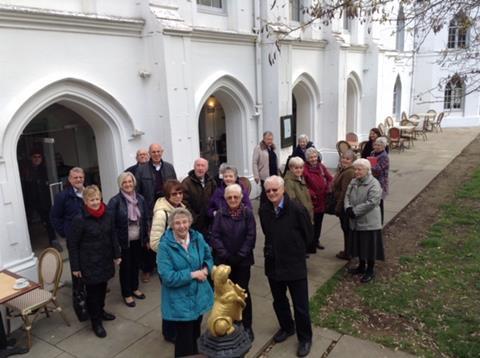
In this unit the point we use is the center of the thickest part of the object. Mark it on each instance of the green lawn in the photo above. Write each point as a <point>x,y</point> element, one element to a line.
<point>432,306</point>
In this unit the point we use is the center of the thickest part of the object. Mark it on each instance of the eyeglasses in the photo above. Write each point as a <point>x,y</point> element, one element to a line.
<point>268,191</point>
<point>176,193</point>
<point>231,197</point>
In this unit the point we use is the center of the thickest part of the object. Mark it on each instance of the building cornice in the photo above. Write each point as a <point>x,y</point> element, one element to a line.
<point>209,35</point>
<point>17,17</point>
<point>309,44</point>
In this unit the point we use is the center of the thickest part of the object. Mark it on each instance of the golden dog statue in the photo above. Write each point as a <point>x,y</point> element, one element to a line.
<point>228,305</point>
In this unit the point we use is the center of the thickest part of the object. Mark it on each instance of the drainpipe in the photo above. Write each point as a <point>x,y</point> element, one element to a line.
<point>258,67</point>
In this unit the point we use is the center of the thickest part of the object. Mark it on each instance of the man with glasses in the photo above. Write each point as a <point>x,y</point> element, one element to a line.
<point>288,231</point>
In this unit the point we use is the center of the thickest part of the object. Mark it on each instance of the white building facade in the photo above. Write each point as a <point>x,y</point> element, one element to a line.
<point>102,78</point>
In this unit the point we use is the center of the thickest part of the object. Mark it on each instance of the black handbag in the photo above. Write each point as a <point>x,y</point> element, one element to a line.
<point>330,203</point>
<point>79,296</point>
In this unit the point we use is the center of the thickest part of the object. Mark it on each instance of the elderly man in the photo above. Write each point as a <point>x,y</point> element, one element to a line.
<point>150,179</point>
<point>141,157</point>
<point>198,189</point>
<point>288,231</point>
<point>67,204</point>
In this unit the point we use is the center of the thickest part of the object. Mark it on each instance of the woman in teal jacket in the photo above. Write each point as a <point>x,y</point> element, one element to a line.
<point>184,261</point>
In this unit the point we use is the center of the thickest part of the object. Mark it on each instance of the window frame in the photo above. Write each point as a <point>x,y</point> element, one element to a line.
<point>298,12</point>
<point>210,9</point>
<point>454,94</point>
<point>457,37</point>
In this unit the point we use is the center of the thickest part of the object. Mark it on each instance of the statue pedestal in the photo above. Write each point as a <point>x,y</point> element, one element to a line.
<point>232,345</point>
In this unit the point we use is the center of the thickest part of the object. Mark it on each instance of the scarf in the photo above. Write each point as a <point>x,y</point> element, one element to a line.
<point>132,206</point>
<point>237,212</point>
<point>96,213</point>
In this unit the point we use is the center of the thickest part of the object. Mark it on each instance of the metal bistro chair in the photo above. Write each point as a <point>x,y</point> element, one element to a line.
<point>382,129</point>
<point>39,300</point>
<point>430,118</point>
<point>396,141</point>
<point>437,124</point>
<point>389,122</point>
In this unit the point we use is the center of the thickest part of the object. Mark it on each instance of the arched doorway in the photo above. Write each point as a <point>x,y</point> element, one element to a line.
<point>213,134</point>
<point>305,97</point>
<point>53,142</point>
<point>353,98</point>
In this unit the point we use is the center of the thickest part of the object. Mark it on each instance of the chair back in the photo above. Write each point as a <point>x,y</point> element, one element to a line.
<point>394,134</point>
<point>362,145</point>
<point>389,122</point>
<point>50,269</point>
<point>406,122</point>
<point>381,128</point>
<point>415,117</point>
<point>404,115</point>
<point>351,137</point>
<point>432,114</point>
<point>245,183</point>
<point>440,117</point>
<point>342,146</point>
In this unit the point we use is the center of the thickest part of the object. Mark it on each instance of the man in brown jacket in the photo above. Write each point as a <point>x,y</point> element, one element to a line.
<point>198,189</point>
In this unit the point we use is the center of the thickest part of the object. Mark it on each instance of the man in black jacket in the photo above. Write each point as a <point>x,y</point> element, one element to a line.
<point>288,231</point>
<point>141,157</point>
<point>150,179</point>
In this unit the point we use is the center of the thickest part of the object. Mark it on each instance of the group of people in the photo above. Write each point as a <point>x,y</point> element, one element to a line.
<point>179,230</point>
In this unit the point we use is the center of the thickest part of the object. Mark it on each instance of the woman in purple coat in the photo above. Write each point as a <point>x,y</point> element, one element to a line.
<point>380,169</point>
<point>233,240</point>
<point>217,201</point>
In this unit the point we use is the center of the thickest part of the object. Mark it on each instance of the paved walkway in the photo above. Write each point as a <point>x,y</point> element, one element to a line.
<point>137,331</point>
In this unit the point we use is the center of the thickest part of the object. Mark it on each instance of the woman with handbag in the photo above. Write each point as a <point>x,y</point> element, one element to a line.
<point>93,250</point>
<point>318,181</point>
<point>340,185</point>
<point>130,214</point>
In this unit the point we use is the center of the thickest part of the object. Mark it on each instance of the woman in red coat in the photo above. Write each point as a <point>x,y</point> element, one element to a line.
<point>318,181</point>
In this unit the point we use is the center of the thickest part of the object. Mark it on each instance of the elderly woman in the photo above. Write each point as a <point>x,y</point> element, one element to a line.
<point>264,162</point>
<point>318,181</point>
<point>129,211</point>
<point>184,261</point>
<point>233,240</point>
<point>295,185</point>
<point>372,137</point>
<point>362,201</point>
<point>93,249</point>
<point>173,190</point>
<point>340,184</point>
<point>380,169</point>
<point>217,201</point>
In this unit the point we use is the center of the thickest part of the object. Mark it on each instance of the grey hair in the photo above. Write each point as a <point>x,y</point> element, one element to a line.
<point>121,178</point>
<point>381,141</point>
<point>267,133</point>
<point>302,136</point>
<point>230,168</point>
<point>362,162</point>
<point>76,170</point>
<point>295,162</point>
<point>221,168</point>
<point>274,179</point>
<point>312,150</point>
<point>349,154</point>
<point>179,212</point>
<point>233,187</point>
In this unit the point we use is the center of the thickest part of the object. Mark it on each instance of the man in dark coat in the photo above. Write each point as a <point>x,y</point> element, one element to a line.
<point>150,178</point>
<point>288,231</point>
<point>198,188</point>
<point>36,193</point>
<point>142,157</point>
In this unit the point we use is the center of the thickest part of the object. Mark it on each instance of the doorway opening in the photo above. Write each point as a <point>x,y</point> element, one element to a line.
<point>54,141</point>
<point>352,106</point>
<point>213,135</point>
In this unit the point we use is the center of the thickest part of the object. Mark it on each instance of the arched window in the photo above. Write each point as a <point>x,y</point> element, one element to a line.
<point>457,33</point>
<point>454,93</point>
<point>295,10</point>
<point>397,98</point>
<point>400,29</point>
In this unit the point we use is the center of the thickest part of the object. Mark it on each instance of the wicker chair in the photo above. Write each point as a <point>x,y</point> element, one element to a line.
<point>437,124</point>
<point>404,115</point>
<point>431,117</point>
<point>382,129</point>
<point>245,183</point>
<point>342,146</point>
<point>396,141</point>
<point>421,129</point>
<point>39,300</point>
<point>389,122</point>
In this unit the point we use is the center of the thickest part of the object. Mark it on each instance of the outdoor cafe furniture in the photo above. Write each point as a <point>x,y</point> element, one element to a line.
<point>352,140</point>
<point>395,139</point>
<point>8,292</point>
<point>38,299</point>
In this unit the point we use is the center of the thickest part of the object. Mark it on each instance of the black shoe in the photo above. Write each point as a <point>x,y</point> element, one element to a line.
<point>320,247</point>
<point>129,304</point>
<point>356,271</point>
<point>282,335</point>
<point>99,330</point>
<point>140,296</point>
<point>304,348</point>
<point>108,316</point>
<point>250,334</point>
<point>12,350</point>
<point>367,277</point>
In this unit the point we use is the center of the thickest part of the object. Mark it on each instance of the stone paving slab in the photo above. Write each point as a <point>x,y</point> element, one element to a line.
<point>136,332</point>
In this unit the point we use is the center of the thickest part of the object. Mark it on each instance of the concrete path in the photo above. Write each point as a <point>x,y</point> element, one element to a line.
<point>137,331</point>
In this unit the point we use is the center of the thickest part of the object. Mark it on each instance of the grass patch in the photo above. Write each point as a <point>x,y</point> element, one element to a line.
<point>321,296</point>
<point>431,306</point>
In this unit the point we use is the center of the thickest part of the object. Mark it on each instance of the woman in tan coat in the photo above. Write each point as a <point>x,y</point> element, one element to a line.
<point>295,185</point>
<point>340,185</point>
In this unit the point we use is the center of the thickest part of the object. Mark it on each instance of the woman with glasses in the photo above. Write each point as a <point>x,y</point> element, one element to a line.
<point>233,240</point>
<point>163,208</point>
